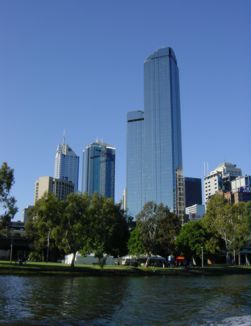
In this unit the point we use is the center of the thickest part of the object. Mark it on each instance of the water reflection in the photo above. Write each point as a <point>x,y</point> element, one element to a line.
<point>124,300</point>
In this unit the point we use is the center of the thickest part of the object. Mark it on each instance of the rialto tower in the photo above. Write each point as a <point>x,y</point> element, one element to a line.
<point>160,168</point>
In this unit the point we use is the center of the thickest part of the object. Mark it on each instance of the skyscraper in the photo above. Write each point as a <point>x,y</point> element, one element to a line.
<point>193,191</point>
<point>67,165</point>
<point>99,169</point>
<point>134,180</point>
<point>162,172</point>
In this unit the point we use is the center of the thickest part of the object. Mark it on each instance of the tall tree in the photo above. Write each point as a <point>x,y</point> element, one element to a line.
<point>135,243</point>
<point>73,228</point>
<point>230,222</point>
<point>193,237</point>
<point>158,228</point>
<point>8,207</point>
<point>42,219</point>
<point>108,229</point>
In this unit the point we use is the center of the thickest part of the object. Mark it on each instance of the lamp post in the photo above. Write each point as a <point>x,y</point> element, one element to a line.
<point>202,257</point>
<point>11,248</point>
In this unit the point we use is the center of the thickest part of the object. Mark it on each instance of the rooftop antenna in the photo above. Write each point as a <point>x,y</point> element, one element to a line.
<point>64,135</point>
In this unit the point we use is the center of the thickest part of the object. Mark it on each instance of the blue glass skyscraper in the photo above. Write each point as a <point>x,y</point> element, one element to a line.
<point>99,169</point>
<point>162,179</point>
<point>134,180</point>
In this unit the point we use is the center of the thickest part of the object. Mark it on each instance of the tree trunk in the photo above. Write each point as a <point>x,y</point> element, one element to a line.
<point>239,258</point>
<point>73,259</point>
<point>234,254</point>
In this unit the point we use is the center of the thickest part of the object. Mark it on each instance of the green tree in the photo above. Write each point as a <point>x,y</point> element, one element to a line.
<point>135,243</point>
<point>8,207</point>
<point>73,229</point>
<point>108,229</point>
<point>230,222</point>
<point>158,228</point>
<point>42,219</point>
<point>193,237</point>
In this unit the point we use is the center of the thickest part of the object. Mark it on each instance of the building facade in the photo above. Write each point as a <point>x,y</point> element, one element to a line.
<point>161,168</point>
<point>242,184</point>
<point>99,169</point>
<point>220,179</point>
<point>193,191</point>
<point>195,212</point>
<point>67,165</point>
<point>59,187</point>
<point>134,173</point>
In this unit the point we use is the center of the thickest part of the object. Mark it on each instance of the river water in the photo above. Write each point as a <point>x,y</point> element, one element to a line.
<point>152,300</point>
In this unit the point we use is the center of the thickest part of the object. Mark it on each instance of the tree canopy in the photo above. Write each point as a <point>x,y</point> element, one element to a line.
<point>230,222</point>
<point>8,207</point>
<point>156,230</point>
<point>79,223</point>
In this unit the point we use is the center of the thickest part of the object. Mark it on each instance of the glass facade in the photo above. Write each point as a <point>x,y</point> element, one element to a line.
<point>193,191</point>
<point>134,191</point>
<point>67,165</point>
<point>99,169</point>
<point>162,139</point>
<point>160,177</point>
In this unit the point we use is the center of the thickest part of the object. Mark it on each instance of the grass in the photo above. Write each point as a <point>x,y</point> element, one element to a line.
<point>44,268</point>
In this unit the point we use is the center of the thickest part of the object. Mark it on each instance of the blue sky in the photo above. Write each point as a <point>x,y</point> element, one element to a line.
<point>78,65</point>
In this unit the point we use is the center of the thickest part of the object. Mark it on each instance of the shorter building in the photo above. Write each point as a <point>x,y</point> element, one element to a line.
<point>25,213</point>
<point>220,179</point>
<point>60,188</point>
<point>195,212</point>
<point>237,196</point>
<point>241,184</point>
<point>99,169</point>
<point>193,191</point>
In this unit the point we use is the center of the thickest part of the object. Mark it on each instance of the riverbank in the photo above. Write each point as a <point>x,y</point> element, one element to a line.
<point>32,268</point>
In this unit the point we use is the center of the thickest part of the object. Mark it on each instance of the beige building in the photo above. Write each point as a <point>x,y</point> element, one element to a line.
<point>61,188</point>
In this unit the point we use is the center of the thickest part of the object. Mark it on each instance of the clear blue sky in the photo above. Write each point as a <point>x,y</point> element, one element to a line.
<point>78,65</point>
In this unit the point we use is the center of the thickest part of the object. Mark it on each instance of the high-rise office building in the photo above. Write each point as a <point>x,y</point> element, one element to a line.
<point>162,175</point>
<point>59,187</point>
<point>134,178</point>
<point>67,165</point>
<point>193,191</point>
<point>99,169</point>
<point>220,179</point>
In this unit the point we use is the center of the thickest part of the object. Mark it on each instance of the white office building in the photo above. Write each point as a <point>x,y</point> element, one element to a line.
<point>195,212</point>
<point>241,184</point>
<point>220,179</point>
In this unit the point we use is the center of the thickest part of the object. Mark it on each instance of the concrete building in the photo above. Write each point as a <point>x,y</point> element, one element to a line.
<point>61,188</point>
<point>67,165</point>
<point>99,169</point>
<point>220,179</point>
<point>195,212</point>
<point>25,213</point>
<point>242,183</point>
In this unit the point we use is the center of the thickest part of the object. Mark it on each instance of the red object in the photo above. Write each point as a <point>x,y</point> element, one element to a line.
<point>180,258</point>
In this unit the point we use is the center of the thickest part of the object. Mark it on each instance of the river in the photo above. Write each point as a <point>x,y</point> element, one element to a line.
<point>152,300</point>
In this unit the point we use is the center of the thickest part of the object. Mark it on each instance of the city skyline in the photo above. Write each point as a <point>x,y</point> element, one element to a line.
<point>71,66</point>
